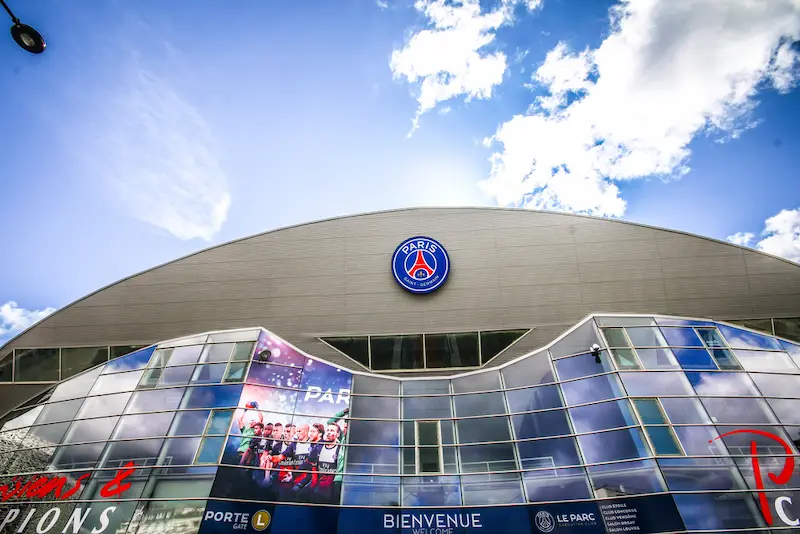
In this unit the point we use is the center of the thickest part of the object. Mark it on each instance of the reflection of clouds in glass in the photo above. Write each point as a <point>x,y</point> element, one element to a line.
<point>26,419</point>
<point>758,360</point>
<point>721,383</point>
<point>700,440</point>
<point>737,338</point>
<point>154,400</point>
<point>116,383</point>
<point>591,389</point>
<point>134,360</point>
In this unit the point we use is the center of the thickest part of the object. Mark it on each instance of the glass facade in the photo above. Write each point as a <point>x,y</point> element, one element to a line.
<point>672,425</point>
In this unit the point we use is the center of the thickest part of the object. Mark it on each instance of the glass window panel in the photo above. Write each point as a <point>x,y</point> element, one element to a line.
<point>431,491</point>
<point>59,411</point>
<point>613,445</point>
<point>239,335</point>
<point>739,444</point>
<point>695,359</point>
<point>91,430</point>
<point>480,404</point>
<point>429,459</point>
<point>122,350</point>
<point>209,373</point>
<point>77,456</point>
<point>42,435</point>
<point>721,383</point>
<point>243,351</point>
<point>160,358</point>
<point>140,452</point>
<point>492,489</point>
<point>176,376</point>
<point>700,440</point>
<point>425,407</point>
<point>21,418</point>
<point>373,460</point>
<point>577,341</point>
<point>788,328</point>
<point>220,422</point>
<point>179,451</point>
<point>777,385</point>
<point>592,389</point>
<point>696,474</point>
<point>541,424</point>
<point>675,321</point>
<point>495,342</point>
<point>482,429</point>
<point>657,358</point>
<point>217,353</point>
<point>718,511</point>
<point>738,410</point>
<point>184,355</point>
<point>76,387</point>
<point>183,341</point>
<point>616,337</point>
<point>424,387</point>
<point>212,397</point>
<point>548,453</point>
<point>451,350</point>
<point>582,365</point>
<point>646,337</point>
<point>482,381</point>
<point>116,383</point>
<point>155,400</point>
<point>130,362</point>
<point>487,458</point>
<point>396,352</point>
<point>210,450</point>
<point>681,337</point>
<point>143,426</point>
<point>711,337</point>
<point>371,491</point>
<point>374,432</point>
<point>73,361</point>
<point>556,485</point>
<point>529,371</point>
<point>625,321</point>
<point>150,378</point>
<point>36,365</point>
<point>762,325</point>
<point>538,398</point>
<point>742,339</point>
<point>602,416</point>
<point>366,385</point>
<point>725,359</point>
<point>190,423</point>
<point>624,358</point>
<point>375,407</point>
<point>627,478</point>
<point>236,372</point>
<point>6,366</point>
<point>657,383</point>
<point>663,441</point>
<point>755,360</point>
<point>355,347</point>
<point>787,410</point>
<point>650,411</point>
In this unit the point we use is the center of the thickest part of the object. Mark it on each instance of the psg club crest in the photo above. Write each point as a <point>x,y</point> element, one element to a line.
<point>420,264</point>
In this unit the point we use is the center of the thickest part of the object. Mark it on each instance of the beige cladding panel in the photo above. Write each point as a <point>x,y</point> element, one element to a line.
<point>510,269</point>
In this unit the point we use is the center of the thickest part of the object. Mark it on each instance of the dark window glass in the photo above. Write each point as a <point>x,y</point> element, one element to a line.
<point>627,478</point>
<point>179,451</point>
<point>36,365</point>
<point>494,342</point>
<point>396,352</point>
<point>424,387</point>
<point>371,491</point>
<point>375,407</point>
<point>152,401</point>
<point>530,371</point>
<point>540,424</point>
<point>176,376</point>
<point>422,407</point>
<point>75,387</point>
<point>681,337</point>
<point>711,338</point>
<point>646,337</point>
<point>73,361</point>
<point>116,383</point>
<point>481,429</point>
<point>140,452</point>
<point>212,397</point>
<point>577,341</point>
<point>130,362</point>
<point>487,458</point>
<point>6,366</point>
<point>143,426</point>
<point>355,347</point>
<point>742,339</point>
<point>191,423</point>
<point>431,491</point>
<point>777,385</point>
<point>788,328</point>
<point>695,359</point>
<point>738,410</point>
<point>122,350</point>
<point>657,358</point>
<point>663,440</point>
<point>548,453</point>
<point>451,350</point>
<point>91,430</point>
<point>654,384</point>
<point>763,325</point>
<point>538,398</point>
<point>479,404</point>
<point>365,385</point>
<point>694,474</point>
<point>725,359</point>
<point>381,460</point>
<point>429,452</point>
<point>787,410</point>
<point>556,484</point>
<point>602,416</point>
<point>59,411</point>
<point>759,360</point>
<point>718,511</point>
<point>592,389</point>
<point>46,435</point>
<point>614,445</point>
<point>492,489</point>
<point>721,383</point>
<point>77,456</point>
<point>209,373</point>
<point>483,381</point>
<point>582,365</point>
<point>374,432</point>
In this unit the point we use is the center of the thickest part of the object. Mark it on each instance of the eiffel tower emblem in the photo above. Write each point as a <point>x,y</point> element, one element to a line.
<point>420,269</point>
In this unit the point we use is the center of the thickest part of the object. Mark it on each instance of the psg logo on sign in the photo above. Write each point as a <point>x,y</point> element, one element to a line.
<point>545,521</point>
<point>420,264</point>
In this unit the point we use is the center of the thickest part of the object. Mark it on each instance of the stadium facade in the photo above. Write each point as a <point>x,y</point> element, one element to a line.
<point>431,371</point>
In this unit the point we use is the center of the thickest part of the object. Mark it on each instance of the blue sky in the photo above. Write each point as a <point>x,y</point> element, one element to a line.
<point>149,130</point>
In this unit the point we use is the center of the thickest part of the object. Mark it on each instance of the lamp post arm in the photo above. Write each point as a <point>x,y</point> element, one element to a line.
<point>14,19</point>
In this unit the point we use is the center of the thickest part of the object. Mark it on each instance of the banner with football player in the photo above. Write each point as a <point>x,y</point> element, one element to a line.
<point>286,442</point>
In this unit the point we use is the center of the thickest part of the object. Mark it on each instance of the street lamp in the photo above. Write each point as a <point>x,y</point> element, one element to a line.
<point>26,37</point>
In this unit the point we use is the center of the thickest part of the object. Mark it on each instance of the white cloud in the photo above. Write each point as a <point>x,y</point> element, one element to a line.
<point>162,158</point>
<point>741,238</point>
<point>781,235</point>
<point>14,319</point>
<point>383,4</point>
<point>453,57</point>
<point>669,69</point>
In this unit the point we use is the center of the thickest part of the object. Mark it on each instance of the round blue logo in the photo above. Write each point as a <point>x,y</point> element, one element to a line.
<point>420,264</point>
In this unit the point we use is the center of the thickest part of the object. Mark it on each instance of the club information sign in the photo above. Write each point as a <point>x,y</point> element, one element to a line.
<point>420,265</point>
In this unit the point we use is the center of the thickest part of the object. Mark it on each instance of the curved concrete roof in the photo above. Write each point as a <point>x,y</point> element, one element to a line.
<point>510,269</point>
